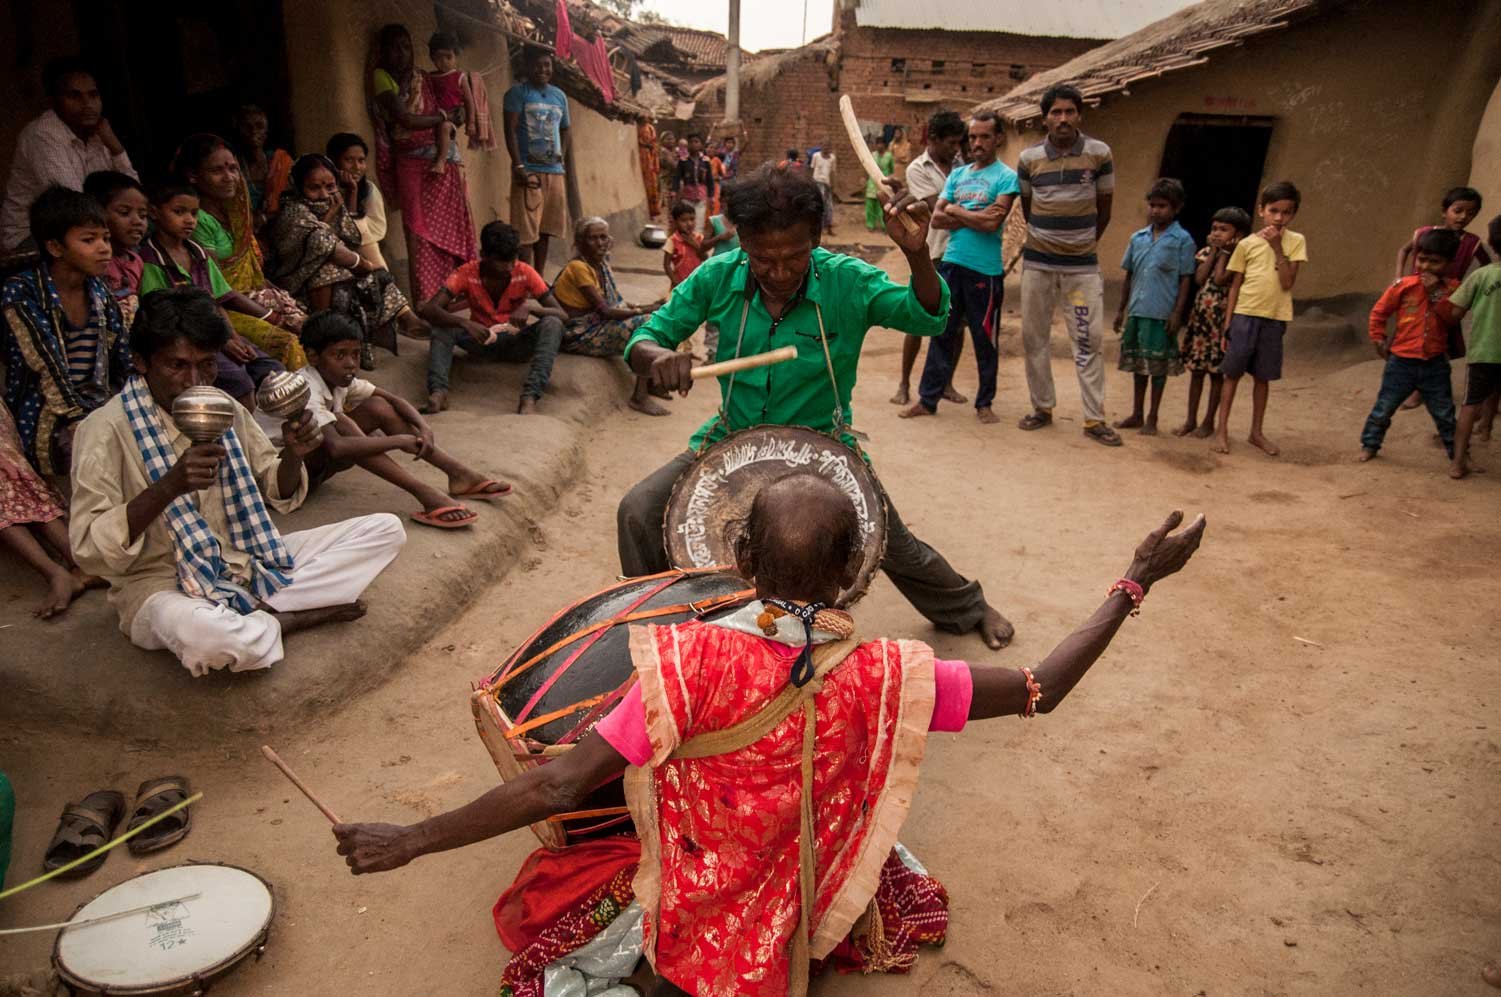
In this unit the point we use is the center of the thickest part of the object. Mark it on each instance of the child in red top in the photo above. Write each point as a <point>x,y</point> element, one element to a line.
<point>450,89</point>
<point>127,212</point>
<point>1417,349</point>
<point>1461,207</point>
<point>685,247</point>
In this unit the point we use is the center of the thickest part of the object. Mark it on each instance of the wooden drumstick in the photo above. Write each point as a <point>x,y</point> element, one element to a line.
<point>744,363</point>
<point>862,153</point>
<point>275,759</point>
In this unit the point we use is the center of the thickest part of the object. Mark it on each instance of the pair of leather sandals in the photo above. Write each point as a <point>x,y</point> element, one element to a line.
<point>86,825</point>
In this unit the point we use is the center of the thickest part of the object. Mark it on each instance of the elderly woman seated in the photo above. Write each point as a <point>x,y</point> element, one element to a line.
<point>600,320</point>
<point>315,249</point>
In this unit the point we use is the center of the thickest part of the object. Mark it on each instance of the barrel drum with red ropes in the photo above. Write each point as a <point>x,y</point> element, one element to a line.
<point>569,674</point>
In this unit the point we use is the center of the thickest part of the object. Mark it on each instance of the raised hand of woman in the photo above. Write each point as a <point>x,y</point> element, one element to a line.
<point>1164,552</point>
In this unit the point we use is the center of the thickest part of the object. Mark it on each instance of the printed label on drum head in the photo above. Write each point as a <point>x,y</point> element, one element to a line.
<point>168,930</point>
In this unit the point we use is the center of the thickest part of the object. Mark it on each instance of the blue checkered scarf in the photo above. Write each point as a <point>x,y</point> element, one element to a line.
<point>201,571</point>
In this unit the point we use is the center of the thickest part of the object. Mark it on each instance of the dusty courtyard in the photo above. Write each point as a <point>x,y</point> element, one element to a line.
<point>1281,779</point>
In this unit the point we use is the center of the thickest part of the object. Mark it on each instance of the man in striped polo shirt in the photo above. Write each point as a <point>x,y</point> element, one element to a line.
<point>1067,184</point>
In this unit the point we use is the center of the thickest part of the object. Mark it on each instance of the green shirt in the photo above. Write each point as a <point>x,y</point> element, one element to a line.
<point>1481,294</point>
<point>213,236</point>
<point>852,296</point>
<point>155,278</point>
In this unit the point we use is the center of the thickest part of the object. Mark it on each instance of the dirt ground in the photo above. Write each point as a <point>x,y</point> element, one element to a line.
<point>1281,779</point>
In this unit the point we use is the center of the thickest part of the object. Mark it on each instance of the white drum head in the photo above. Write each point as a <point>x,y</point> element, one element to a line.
<point>169,944</point>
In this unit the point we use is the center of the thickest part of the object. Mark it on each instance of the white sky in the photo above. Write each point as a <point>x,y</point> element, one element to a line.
<point>763,23</point>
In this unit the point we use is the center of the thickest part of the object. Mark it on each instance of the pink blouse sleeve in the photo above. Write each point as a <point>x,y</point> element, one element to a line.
<point>953,689</point>
<point>625,727</point>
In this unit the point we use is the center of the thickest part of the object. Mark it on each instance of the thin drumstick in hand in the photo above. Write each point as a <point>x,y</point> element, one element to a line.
<point>275,759</point>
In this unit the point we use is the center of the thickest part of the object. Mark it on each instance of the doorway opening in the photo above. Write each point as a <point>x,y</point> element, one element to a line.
<point>1220,159</point>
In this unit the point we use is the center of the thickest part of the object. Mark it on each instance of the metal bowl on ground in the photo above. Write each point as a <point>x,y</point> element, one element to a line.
<point>283,394</point>
<point>204,413</point>
<point>652,236</point>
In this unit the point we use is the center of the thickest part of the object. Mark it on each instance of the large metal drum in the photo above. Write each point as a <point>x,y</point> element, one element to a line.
<point>569,674</point>
<point>715,493</point>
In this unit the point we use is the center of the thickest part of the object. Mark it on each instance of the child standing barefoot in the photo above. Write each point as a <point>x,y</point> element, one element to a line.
<point>1159,265</point>
<point>1260,305</point>
<point>1480,293</point>
<point>1203,341</point>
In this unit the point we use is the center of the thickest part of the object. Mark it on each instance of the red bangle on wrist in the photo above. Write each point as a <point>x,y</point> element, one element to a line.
<point>1133,591</point>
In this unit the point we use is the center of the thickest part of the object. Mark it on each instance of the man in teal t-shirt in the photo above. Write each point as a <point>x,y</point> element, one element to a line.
<point>973,206</point>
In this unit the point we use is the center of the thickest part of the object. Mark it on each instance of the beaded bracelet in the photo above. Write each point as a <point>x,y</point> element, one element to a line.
<point>1034,693</point>
<point>1133,591</point>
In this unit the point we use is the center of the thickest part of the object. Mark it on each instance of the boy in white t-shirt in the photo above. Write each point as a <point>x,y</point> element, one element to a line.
<point>823,163</point>
<point>362,424</point>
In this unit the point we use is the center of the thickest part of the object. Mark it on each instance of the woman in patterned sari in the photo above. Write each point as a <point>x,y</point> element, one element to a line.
<point>226,228</point>
<point>434,206</point>
<point>315,254</point>
<point>600,321</point>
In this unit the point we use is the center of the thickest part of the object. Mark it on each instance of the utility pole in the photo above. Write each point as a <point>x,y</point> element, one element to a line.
<point>732,68</point>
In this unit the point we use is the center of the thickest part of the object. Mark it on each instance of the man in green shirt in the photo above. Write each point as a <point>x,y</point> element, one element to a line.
<point>779,289</point>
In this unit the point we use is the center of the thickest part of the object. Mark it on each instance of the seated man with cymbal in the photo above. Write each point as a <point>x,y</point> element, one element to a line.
<point>181,530</point>
<point>780,288</point>
<point>770,759</point>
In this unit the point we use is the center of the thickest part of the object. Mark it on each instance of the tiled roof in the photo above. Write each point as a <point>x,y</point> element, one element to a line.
<point>1179,41</point>
<point>1059,19</point>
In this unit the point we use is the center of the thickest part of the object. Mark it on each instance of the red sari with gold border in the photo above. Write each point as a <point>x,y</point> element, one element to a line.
<point>719,835</point>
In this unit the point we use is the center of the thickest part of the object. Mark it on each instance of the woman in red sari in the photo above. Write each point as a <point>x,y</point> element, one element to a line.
<point>434,206</point>
<point>775,757</point>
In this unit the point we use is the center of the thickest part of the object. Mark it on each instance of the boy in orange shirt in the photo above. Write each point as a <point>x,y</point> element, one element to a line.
<point>1417,349</point>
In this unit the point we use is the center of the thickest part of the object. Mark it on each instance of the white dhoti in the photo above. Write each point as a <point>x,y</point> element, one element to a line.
<point>332,565</point>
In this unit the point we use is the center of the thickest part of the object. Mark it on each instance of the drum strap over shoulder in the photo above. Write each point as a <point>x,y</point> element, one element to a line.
<point>823,340</point>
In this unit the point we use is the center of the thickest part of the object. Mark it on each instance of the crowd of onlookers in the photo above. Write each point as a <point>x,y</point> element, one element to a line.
<point>280,258</point>
<point>1219,312</point>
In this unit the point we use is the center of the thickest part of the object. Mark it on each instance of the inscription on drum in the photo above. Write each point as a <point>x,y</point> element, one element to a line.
<point>833,464</point>
<point>167,921</point>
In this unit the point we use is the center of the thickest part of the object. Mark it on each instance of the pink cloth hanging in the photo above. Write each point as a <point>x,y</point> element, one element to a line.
<point>564,42</point>
<point>594,59</point>
<point>480,128</point>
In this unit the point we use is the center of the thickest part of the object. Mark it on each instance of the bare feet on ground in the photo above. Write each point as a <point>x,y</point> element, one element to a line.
<point>1129,422</point>
<point>1204,432</point>
<point>1185,429</point>
<point>62,589</point>
<point>1366,453</point>
<point>648,407</point>
<point>1462,468</point>
<point>1221,443</point>
<point>913,411</point>
<point>528,406</point>
<point>436,402</point>
<point>950,395</point>
<point>1149,428</point>
<point>303,618</point>
<point>1413,400</point>
<point>986,416</point>
<point>995,630</point>
<point>903,395</point>
<point>1263,444</point>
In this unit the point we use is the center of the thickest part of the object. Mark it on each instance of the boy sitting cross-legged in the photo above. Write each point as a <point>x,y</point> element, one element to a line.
<point>361,424</point>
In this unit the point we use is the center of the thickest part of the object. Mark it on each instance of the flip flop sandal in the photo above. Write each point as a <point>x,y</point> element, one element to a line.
<point>1103,435</point>
<point>1035,420</point>
<point>479,492</point>
<point>154,796</point>
<point>434,518</point>
<point>82,828</point>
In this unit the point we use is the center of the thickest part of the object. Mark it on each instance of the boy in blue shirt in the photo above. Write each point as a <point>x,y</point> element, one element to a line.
<point>536,133</point>
<point>973,205</point>
<point>1159,265</point>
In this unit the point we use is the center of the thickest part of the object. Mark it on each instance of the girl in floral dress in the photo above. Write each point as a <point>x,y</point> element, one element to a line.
<point>1203,336</point>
